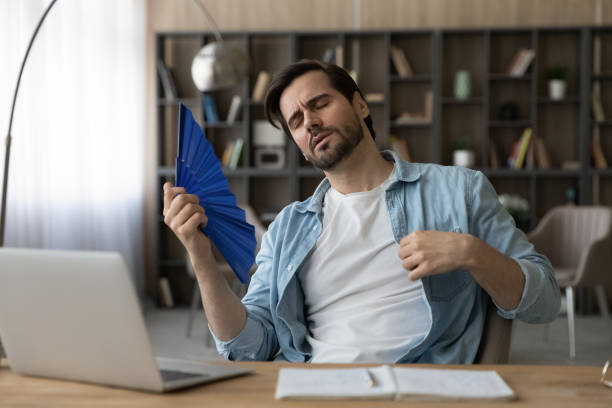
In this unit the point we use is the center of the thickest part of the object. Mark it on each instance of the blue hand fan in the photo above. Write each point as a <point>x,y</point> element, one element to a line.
<point>198,170</point>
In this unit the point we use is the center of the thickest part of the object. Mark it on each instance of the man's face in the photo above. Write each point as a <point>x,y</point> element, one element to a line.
<point>323,123</point>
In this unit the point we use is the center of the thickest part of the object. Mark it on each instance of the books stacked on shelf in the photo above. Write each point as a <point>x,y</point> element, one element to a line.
<point>400,62</point>
<point>210,108</point>
<point>425,117</point>
<point>232,113</point>
<point>261,86</point>
<point>167,81</point>
<point>598,111</point>
<point>522,148</point>
<point>232,154</point>
<point>521,61</point>
<point>541,153</point>
<point>400,146</point>
<point>529,152</point>
<point>599,159</point>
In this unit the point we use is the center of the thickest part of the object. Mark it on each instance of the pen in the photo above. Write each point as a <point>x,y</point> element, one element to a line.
<point>370,378</point>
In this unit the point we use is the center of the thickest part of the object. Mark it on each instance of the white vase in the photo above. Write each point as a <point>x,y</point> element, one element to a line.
<point>463,158</point>
<point>556,89</point>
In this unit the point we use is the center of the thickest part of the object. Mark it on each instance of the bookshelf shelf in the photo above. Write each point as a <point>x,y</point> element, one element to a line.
<point>448,100</point>
<point>568,100</point>
<point>434,56</point>
<point>506,77</point>
<point>414,78</point>
<point>394,124</point>
<point>223,125</point>
<point>510,123</point>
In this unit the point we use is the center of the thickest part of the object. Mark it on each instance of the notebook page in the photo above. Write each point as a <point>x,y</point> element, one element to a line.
<point>451,384</point>
<point>300,383</point>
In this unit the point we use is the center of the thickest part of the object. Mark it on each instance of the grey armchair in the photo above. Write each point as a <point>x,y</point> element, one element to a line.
<point>578,242</point>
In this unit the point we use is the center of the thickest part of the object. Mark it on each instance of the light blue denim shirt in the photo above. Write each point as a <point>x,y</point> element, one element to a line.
<point>421,197</point>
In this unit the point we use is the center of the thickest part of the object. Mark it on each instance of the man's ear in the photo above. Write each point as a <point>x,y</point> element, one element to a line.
<point>360,105</point>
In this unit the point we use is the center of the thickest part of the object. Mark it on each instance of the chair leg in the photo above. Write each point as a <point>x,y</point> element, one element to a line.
<point>569,296</point>
<point>195,300</point>
<point>602,302</point>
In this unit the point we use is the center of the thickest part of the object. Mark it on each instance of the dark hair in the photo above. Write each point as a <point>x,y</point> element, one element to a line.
<point>339,79</point>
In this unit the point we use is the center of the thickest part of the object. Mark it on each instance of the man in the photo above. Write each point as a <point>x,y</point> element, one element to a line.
<point>387,262</point>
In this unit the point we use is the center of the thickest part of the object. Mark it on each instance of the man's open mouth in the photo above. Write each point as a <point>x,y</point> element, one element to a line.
<point>319,139</point>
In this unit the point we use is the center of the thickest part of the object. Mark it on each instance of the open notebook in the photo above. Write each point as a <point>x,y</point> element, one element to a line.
<point>386,382</point>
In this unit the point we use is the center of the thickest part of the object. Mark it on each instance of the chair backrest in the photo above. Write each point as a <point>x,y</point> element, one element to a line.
<point>495,342</point>
<point>566,231</point>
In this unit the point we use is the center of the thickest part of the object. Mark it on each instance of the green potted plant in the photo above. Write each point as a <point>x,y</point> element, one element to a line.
<point>557,81</point>
<point>517,207</point>
<point>463,153</point>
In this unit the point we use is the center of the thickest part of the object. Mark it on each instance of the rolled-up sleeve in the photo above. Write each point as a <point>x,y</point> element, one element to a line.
<point>257,340</point>
<point>489,220</point>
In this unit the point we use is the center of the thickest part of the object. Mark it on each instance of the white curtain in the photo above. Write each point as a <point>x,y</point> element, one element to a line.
<point>76,177</point>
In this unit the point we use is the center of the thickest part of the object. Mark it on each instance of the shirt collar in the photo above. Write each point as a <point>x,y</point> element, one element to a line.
<point>402,171</point>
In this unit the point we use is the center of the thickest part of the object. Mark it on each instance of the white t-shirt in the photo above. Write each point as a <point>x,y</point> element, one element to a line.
<point>360,304</point>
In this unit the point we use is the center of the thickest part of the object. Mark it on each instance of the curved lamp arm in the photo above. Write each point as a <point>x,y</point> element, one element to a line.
<point>8,137</point>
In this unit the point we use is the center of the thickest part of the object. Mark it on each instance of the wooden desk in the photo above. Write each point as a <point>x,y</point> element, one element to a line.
<point>536,386</point>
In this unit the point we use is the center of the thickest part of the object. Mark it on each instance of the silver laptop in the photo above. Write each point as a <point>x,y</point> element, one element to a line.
<point>75,315</point>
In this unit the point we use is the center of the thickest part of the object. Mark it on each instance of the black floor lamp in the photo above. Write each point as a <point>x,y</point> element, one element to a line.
<point>7,153</point>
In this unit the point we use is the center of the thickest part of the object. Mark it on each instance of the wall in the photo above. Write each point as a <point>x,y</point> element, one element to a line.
<point>239,15</point>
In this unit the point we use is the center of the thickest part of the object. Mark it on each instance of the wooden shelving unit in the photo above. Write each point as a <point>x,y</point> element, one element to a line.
<point>435,56</point>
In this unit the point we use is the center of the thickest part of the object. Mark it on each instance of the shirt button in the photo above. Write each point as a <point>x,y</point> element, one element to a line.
<point>314,228</point>
<point>290,268</point>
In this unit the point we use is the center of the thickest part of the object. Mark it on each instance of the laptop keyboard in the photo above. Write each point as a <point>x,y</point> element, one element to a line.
<point>169,375</point>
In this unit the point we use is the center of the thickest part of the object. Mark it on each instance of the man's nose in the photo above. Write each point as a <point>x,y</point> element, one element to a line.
<point>311,121</point>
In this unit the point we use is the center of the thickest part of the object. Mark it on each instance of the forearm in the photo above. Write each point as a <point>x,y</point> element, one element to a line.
<point>498,274</point>
<point>225,312</point>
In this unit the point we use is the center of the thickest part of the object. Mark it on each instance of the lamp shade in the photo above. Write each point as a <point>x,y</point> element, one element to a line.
<point>218,65</point>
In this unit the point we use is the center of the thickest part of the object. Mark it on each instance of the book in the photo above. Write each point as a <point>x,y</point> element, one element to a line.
<point>512,157</point>
<point>167,81</point>
<point>521,61</point>
<point>210,108</point>
<point>400,62</point>
<point>598,111</point>
<point>400,146</point>
<point>599,160</point>
<point>226,157</point>
<point>339,56</point>
<point>261,85</point>
<point>530,160</point>
<point>541,153</point>
<point>236,154</point>
<point>234,108</point>
<point>522,149</point>
<point>388,383</point>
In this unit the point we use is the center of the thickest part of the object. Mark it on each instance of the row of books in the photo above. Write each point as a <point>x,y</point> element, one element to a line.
<point>210,109</point>
<point>527,152</point>
<point>232,154</point>
<point>518,66</point>
<point>417,117</point>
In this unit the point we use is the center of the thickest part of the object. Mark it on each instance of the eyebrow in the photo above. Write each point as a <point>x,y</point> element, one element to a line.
<point>312,101</point>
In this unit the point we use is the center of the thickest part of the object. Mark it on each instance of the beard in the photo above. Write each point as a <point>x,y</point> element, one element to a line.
<point>328,157</point>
